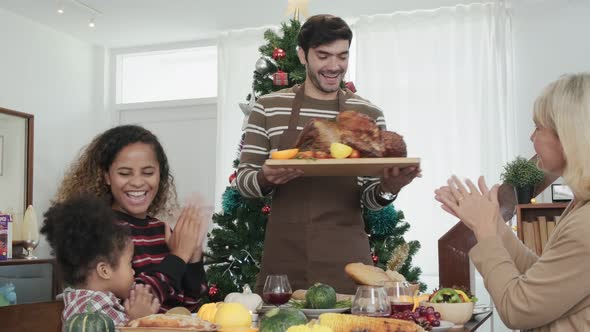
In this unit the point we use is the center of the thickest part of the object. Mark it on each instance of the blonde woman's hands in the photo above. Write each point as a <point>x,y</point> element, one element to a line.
<point>477,208</point>
<point>186,241</point>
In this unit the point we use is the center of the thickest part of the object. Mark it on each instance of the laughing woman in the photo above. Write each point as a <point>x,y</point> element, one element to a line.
<point>127,167</point>
<point>550,292</point>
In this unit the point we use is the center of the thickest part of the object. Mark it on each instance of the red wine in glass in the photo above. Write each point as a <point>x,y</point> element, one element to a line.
<point>276,290</point>
<point>276,298</point>
<point>401,306</point>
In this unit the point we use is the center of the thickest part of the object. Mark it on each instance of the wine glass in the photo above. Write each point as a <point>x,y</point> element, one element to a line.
<point>371,301</point>
<point>276,290</point>
<point>400,296</point>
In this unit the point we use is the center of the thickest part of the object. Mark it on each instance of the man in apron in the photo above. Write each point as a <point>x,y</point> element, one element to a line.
<point>315,227</point>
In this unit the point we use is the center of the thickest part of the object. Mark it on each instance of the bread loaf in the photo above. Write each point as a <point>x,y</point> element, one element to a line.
<point>366,274</point>
<point>173,321</point>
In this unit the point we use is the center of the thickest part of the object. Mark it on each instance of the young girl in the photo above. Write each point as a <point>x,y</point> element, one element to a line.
<point>126,167</point>
<point>94,252</point>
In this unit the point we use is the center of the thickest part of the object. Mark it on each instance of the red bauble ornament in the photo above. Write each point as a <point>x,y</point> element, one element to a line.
<point>375,258</point>
<point>213,290</point>
<point>232,177</point>
<point>278,53</point>
<point>280,78</point>
<point>350,86</point>
<point>266,209</point>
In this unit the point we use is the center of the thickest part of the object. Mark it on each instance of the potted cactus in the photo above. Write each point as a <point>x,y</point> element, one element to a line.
<point>523,175</point>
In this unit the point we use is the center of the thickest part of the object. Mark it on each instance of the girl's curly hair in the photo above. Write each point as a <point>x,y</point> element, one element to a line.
<point>87,173</point>
<point>83,231</point>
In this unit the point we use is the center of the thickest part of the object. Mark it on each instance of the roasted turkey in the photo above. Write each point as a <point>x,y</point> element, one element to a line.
<point>357,130</point>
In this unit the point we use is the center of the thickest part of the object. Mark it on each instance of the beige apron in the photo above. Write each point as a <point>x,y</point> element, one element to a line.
<point>315,227</point>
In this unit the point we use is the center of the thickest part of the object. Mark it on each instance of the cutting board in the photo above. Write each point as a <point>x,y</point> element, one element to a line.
<point>158,329</point>
<point>161,329</point>
<point>343,167</point>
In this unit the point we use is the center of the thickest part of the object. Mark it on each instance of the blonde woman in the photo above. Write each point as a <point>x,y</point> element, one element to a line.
<point>550,292</point>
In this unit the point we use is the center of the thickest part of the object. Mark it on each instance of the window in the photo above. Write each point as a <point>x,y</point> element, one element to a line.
<point>187,73</point>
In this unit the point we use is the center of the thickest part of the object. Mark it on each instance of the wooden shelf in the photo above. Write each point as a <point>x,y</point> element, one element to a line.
<point>530,212</point>
<point>527,212</point>
<point>22,261</point>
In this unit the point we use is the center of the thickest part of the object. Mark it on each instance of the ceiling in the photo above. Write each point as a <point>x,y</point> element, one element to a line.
<point>125,23</point>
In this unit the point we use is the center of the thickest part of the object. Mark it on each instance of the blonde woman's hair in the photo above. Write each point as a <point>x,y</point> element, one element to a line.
<point>564,107</point>
<point>87,174</point>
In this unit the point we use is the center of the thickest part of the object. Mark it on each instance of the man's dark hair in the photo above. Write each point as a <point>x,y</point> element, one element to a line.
<point>322,29</point>
<point>83,231</point>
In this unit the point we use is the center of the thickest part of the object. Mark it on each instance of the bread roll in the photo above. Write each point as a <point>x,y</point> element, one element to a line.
<point>366,274</point>
<point>395,276</point>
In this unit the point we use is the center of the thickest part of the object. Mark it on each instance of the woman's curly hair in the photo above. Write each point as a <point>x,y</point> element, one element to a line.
<point>87,174</point>
<point>82,231</point>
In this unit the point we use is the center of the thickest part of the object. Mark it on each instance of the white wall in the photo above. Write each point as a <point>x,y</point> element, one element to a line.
<point>58,79</point>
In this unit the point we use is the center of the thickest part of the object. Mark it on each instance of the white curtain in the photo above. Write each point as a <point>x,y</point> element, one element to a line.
<point>442,78</point>
<point>238,52</point>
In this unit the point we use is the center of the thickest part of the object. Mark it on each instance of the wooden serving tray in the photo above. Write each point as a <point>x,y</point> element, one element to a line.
<point>343,167</point>
<point>161,329</point>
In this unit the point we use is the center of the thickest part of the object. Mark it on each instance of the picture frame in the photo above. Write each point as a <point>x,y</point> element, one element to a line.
<point>17,145</point>
<point>561,193</point>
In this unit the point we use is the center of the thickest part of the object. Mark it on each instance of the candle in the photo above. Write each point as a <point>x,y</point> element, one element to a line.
<point>254,316</point>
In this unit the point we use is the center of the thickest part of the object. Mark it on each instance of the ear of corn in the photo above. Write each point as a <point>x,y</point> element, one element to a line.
<point>347,323</point>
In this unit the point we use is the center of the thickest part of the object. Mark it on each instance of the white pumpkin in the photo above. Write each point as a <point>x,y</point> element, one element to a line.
<point>252,301</point>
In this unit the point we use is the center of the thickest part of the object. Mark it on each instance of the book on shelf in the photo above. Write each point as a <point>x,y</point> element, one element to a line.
<point>5,236</point>
<point>537,236</point>
<point>543,231</point>
<point>550,227</point>
<point>528,235</point>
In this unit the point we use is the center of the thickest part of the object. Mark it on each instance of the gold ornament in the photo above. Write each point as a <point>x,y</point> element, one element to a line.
<point>398,257</point>
<point>297,7</point>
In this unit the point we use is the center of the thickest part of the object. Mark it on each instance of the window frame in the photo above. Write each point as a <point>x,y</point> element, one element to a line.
<point>115,109</point>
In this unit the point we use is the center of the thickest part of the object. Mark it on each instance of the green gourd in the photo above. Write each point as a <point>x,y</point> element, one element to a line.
<point>90,322</point>
<point>320,296</point>
<point>280,319</point>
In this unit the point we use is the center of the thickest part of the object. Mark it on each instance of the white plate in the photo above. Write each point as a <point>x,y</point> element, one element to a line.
<point>315,313</point>
<point>444,325</point>
<point>482,309</point>
<point>267,307</point>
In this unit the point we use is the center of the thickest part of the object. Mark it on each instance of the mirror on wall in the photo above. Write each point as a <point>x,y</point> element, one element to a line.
<point>16,161</point>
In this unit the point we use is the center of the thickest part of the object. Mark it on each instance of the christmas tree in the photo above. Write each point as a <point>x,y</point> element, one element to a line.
<point>236,243</point>
<point>386,228</point>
